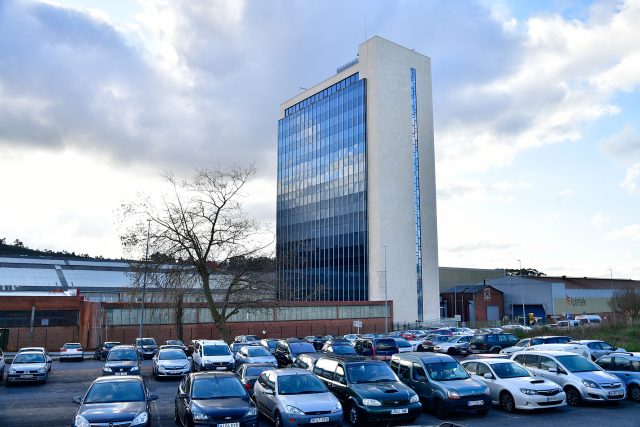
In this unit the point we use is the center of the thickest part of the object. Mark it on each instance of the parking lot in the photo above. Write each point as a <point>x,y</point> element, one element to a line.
<point>50,404</point>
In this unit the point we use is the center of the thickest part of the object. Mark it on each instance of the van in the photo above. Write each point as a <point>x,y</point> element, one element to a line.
<point>214,355</point>
<point>378,348</point>
<point>589,320</point>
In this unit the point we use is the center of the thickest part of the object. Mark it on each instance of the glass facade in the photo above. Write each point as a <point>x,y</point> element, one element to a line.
<point>416,191</point>
<point>322,196</point>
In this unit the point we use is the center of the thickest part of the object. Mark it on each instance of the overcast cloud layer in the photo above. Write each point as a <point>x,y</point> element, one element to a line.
<point>527,112</point>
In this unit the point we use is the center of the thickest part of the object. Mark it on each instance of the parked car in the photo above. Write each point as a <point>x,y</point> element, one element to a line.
<point>47,356</point>
<point>589,320</point>
<point>339,346</point>
<point>178,343</point>
<point>430,342</point>
<point>513,386</point>
<point>580,378</point>
<point>441,383</point>
<point>103,350</point>
<point>287,350</point>
<point>214,398</point>
<point>249,373</point>
<point>114,401</point>
<point>491,343</point>
<point>455,345</point>
<point>528,342</point>
<point>404,346</point>
<point>255,354</point>
<point>378,348</point>
<point>2,365</point>
<point>352,337</point>
<point>368,389</point>
<point>625,366</point>
<point>72,350</point>
<point>443,331</point>
<point>147,347</point>
<point>170,362</point>
<point>236,346</point>
<point>212,355</point>
<point>599,348</point>
<point>317,341</point>
<point>579,349</point>
<point>122,360</point>
<point>269,344</point>
<point>291,397</point>
<point>247,338</point>
<point>565,324</point>
<point>28,366</point>
<point>306,361</point>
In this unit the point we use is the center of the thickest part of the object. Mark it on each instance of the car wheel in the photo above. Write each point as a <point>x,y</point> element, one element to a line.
<point>573,396</point>
<point>278,420</point>
<point>495,350</point>
<point>634,393</point>
<point>439,410</point>
<point>506,402</point>
<point>354,416</point>
<point>451,351</point>
<point>176,417</point>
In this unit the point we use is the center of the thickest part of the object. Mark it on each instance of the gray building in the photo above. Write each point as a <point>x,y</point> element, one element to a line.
<point>356,206</point>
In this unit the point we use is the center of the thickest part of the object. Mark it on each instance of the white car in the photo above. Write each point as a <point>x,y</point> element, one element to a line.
<point>513,386</point>
<point>579,349</point>
<point>580,378</point>
<point>71,350</point>
<point>352,337</point>
<point>47,356</point>
<point>212,355</point>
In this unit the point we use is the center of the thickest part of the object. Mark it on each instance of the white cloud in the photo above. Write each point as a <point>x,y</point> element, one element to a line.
<point>565,193</point>
<point>631,232</point>
<point>599,220</point>
<point>630,178</point>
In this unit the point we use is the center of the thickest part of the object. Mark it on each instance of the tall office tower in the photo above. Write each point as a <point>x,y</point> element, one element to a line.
<point>356,208</point>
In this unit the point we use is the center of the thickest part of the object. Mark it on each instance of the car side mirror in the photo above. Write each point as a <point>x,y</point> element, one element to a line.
<point>553,370</point>
<point>153,397</point>
<point>183,395</point>
<point>77,399</point>
<point>422,379</point>
<point>488,376</point>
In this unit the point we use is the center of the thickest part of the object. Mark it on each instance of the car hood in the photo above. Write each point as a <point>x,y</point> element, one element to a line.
<point>310,402</point>
<point>121,364</point>
<point>110,412</point>
<point>261,359</point>
<point>599,377</point>
<point>233,407</point>
<point>28,366</point>
<point>217,359</point>
<point>532,383</point>
<point>387,390</point>
<point>467,387</point>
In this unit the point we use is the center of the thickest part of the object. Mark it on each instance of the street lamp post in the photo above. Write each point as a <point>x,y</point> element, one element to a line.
<point>522,295</point>
<point>386,299</point>
<point>144,279</point>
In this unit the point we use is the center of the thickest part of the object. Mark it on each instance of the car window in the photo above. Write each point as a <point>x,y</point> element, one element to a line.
<point>339,375</point>
<point>119,355</point>
<point>254,371</point>
<point>577,363</point>
<point>395,364</point>
<point>171,355</point>
<point>147,341</point>
<point>522,343</point>
<point>418,371</point>
<point>404,373</point>
<point>607,346</point>
<point>558,340</point>
<point>72,346</point>
<point>446,371</point>
<point>594,346</point>
<point>300,384</point>
<point>117,391</point>
<point>256,351</point>
<point>492,339</point>
<point>28,358</point>
<point>547,363</point>
<point>302,347</point>
<point>509,370</point>
<point>536,341</point>
<point>217,387</point>
<point>471,367</point>
<point>530,360</point>
<point>621,364</point>
<point>216,350</point>
<point>606,363</point>
<point>483,369</point>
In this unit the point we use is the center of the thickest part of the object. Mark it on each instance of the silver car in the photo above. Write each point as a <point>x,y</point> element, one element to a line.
<point>599,348</point>
<point>286,396</point>
<point>255,354</point>
<point>456,345</point>
<point>170,362</point>
<point>47,356</point>
<point>625,366</point>
<point>28,366</point>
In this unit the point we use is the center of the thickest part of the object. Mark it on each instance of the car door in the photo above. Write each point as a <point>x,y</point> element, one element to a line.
<point>547,368</point>
<point>339,388</point>
<point>596,350</point>
<point>492,383</point>
<point>270,397</point>
<point>422,384</point>
<point>184,391</point>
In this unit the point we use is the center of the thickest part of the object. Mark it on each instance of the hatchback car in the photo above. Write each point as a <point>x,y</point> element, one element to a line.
<point>287,350</point>
<point>513,386</point>
<point>430,342</point>
<point>580,378</point>
<point>291,397</point>
<point>47,356</point>
<point>122,360</point>
<point>170,362</point>
<point>28,366</point>
<point>71,351</point>
<point>249,373</point>
<point>456,345</point>
<point>214,398</point>
<point>147,347</point>
<point>442,383</point>
<point>115,402</point>
<point>103,350</point>
<point>625,366</point>
<point>255,354</point>
<point>491,343</point>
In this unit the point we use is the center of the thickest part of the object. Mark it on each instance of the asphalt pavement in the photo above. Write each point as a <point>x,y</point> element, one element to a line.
<point>50,404</point>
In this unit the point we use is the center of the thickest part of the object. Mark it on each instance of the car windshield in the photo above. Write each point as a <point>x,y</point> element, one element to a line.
<point>300,384</point>
<point>510,370</point>
<point>171,355</point>
<point>117,391</point>
<point>175,342</point>
<point>402,343</point>
<point>302,347</point>
<point>217,388</point>
<point>29,358</point>
<point>257,351</point>
<point>359,373</point>
<point>386,344</point>
<point>71,346</point>
<point>343,349</point>
<point>272,344</point>
<point>254,371</point>
<point>216,350</point>
<point>577,364</point>
<point>116,355</point>
<point>446,371</point>
<point>146,341</point>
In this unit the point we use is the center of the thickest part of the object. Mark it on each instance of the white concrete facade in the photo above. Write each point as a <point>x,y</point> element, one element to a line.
<point>391,221</point>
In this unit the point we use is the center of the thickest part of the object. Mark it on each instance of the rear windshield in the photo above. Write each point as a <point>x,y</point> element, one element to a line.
<point>147,341</point>
<point>216,350</point>
<point>71,346</point>
<point>175,342</point>
<point>257,351</point>
<point>388,344</point>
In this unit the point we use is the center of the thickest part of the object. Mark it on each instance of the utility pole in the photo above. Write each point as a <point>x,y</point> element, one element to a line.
<point>386,303</point>
<point>144,279</point>
<point>524,316</point>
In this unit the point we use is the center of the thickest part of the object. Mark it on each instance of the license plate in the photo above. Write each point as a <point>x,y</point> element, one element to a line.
<point>399,411</point>
<point>476,403</point>
<point>121,373</point>
<point>229,425</point>
<point>26,376</point>
<point>319,420</point>
<point>221,368</point>
<point>616,393</point>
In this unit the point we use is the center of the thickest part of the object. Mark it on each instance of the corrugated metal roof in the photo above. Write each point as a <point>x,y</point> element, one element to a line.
<point>593,283</point>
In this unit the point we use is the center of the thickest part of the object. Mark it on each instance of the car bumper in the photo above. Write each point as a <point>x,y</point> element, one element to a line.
<point>468,404</point>
<point>600,395</point>
<point>71,356</point>
<point>173,372</point>
<point>334,418</point>
<point>251,422</point>
<point>208,367</point>
<point>539,402</point>
<point>105,373</point>
<point>20,378</point>
<point>374,414</point>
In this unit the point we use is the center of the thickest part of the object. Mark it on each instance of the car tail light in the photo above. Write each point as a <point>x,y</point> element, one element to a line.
<point>247,386</point>
<point>63,350</point>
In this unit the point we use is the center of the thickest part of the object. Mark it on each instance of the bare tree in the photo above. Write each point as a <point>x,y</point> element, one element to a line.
<point>201,223</point>
<point>627,302</point>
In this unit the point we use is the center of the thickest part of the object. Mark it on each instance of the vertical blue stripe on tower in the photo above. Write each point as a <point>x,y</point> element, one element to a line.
<point>416,191</point>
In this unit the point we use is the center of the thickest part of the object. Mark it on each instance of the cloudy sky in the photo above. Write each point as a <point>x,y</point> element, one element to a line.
<point>536,108</point>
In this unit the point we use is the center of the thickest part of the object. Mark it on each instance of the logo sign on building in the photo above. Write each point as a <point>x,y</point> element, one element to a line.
<point>487,294</point>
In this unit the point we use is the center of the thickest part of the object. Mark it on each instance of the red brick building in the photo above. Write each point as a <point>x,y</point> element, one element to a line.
<point>474,303</point>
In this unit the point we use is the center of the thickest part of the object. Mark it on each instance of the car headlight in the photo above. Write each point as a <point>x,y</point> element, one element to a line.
<point>199,416</point>
<point>337,407</point>
<point>414,399</point>
<point>186,365</point>
<point>41,370</point>
<point>141,418</point>
<point>135,368</point>
<point>371,402</point>
<point>106,369</point>
<point>12,370</point>
<point>294,411</point>
<point>252,412</point>
<point>81,421</point>
<point>452,394</point>
<point>590,384</point>
<point>527,391</point>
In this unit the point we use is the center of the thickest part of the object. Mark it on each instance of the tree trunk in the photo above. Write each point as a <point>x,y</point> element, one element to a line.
<point>218,320</point>
<point>179,310</point>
